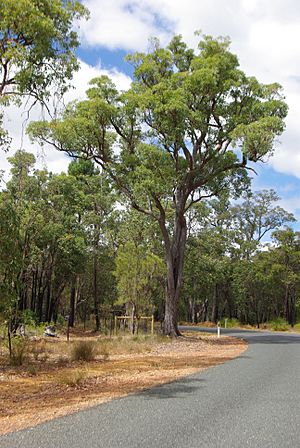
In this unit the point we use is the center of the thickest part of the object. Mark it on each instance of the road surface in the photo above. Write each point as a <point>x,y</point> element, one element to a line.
<point>251,401</point>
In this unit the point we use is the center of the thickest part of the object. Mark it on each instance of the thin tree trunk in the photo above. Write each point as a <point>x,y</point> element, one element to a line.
<point>192,310</point>
<point>215,306</point>
<point>286,304</point>
<point>96,298</point>
<point>72,303</point>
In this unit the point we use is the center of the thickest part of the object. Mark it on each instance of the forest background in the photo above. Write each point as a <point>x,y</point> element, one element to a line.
<point>84,246</point>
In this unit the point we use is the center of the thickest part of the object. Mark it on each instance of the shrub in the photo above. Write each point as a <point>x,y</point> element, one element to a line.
<point>32,370</point>
<point>73,379</point>
<point>279,324</point>
<point>83,351</point>
<point>30,318</point>
<point>19,351</point>
<point>61,321</point>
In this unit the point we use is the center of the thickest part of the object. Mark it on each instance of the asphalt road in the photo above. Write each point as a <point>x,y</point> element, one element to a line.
<point>251,401</point>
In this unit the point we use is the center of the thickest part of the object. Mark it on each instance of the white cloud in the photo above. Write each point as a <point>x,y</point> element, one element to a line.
<point>291,204</point>
<point>121,24</point>
<point>16,119</point>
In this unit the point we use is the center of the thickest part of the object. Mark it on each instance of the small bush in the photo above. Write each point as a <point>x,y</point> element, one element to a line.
<point>73,379</point>
<point>32,370</point>
<point>19,351</point>
<point>279,324</point>
<point>83,351</point>
<point>30,318</point>
<point>61,321</point>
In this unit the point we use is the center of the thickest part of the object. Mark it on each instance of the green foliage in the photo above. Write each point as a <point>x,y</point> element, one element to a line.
<point>185,130</point>
<point>137,272</point>
<point>37,51</point>
<point>29,317</point>
<point>37,45</point>
<point>279,324</point>
<point>176,96</point>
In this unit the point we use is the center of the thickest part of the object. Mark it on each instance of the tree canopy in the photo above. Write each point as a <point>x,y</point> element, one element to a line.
<point>188,128</point>
<point>37,49</point>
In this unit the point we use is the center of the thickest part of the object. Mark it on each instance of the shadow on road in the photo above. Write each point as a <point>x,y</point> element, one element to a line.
<point>177,389</point>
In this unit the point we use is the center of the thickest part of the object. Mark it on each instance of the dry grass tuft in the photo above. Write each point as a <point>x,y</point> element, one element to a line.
<point>83,351</point>
<point>74,379</point>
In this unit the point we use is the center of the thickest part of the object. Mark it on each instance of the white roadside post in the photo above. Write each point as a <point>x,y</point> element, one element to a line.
<point>218,330</point>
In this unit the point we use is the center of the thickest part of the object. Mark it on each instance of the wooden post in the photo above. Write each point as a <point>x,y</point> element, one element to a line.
<point>152,325</point>
<point>115,325</point>
<point>110,326</point>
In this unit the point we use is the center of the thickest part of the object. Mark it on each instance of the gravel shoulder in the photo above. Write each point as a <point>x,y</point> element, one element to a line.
<point>27,400</point>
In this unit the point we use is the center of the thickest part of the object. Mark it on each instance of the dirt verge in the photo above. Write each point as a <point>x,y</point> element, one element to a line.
<point>29,397</point>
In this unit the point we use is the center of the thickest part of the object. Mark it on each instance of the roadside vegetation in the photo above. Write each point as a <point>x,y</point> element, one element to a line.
<point>57,377</point>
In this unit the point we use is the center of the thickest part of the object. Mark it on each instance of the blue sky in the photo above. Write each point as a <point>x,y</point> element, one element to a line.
<point>265,35</point>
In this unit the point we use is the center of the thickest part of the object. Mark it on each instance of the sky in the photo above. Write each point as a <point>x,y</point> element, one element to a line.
<point>265,35</point>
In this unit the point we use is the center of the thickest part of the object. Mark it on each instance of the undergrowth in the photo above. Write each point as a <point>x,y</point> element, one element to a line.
<point>279,324</point>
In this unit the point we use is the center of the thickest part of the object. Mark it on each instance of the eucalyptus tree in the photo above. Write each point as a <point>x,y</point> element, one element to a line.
<point>186,129</point>
<point>255,217</point>
<point>37,45</point>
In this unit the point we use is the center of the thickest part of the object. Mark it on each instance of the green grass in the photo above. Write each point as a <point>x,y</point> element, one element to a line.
<point>279,324</point>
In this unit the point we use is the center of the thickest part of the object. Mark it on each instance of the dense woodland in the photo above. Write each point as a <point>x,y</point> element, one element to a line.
<point>156,214</point>
<point>71,248</point>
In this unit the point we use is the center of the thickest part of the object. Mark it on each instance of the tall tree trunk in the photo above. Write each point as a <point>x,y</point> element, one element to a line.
<point>215,306</point>
<point>72,303</point>
<point>39,303</point>
<point>286,303</point>
<point>292,316</point>
<point>33,290</point>
<point>204,311</point>
<point>96,292</point>
<point>192,310</point>
<point>175,251</point>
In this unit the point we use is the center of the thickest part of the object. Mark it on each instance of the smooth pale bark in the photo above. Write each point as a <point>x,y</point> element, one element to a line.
<point>192,311</point>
